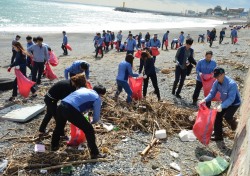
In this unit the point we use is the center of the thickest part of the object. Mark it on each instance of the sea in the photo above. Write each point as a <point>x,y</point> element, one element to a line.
<point>53,16</point>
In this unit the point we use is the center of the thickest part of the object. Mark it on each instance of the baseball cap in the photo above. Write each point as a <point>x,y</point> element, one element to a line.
<point>218,71</point>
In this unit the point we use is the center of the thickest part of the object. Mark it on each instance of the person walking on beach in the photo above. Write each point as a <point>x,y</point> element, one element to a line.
<point>19,63</point>
<point>40,55</point>
<point>204,66</point>
<point>234,34</point>
<point>139,40</point>
<point>208,35</point>
<point>124,71</point>
<point>72,108</point>
<point>222,35</point>
<point>107,40</point>
<point>165,41</point>
<point>147,62</point>
<point>184,56</point>
<point>112,35</point>
<point>212,36</point>
<point>231,101</point>
<point>181,38</point>
<point>28,59</point>
<point>154,43</point>
<point>65,42</point>
<point>77,67</point>
<point>119,40</point>
<point>13,50</point>
<point>95,41</point>
<point>56,94</point>
<point>99,42</point>
<point>131,45</point>
<point>147,37</point>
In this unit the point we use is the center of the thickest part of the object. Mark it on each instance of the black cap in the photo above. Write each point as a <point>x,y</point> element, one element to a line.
<point>218,71</point>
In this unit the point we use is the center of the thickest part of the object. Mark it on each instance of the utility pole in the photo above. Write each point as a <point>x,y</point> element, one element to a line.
<point>123,5</point>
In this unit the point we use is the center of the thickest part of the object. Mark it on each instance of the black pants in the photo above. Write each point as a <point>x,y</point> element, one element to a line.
<point>66,112</point>
<point>119,44</point>
<point>172,44</point>
<point>197,91</point>
<point>180,76</point>
<point>112,45</point>
<point>65,51</point>
<point>97,51</point>
<point>221,39</point>
<point>130,52</point>
<point>107,46</point>
<point>228,114</point>
<point>153,78</point>
<point>51,112</point>
<point>37,68</point>
<point>13,56</point>
<point>28,62</point>
<point>211,42</point>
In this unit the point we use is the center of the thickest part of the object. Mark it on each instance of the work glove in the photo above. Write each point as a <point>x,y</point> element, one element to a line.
<point>202,101</point>
<point>17,67</point>
<point>219,108</point>
<point>145,76</point>
<point>9,69</point>
<point>140,75</point>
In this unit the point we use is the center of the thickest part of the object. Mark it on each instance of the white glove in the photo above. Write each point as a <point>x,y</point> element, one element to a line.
<point>141,75</point>
<point>202,101</point>
<point>17,67</point>
<point>219,108</point>
<point>145,76</point>
<point>200,74</point>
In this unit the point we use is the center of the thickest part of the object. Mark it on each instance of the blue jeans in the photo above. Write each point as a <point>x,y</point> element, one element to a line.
<point>123,85</point>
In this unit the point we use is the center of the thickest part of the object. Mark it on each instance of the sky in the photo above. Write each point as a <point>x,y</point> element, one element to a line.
<point>170,5</point>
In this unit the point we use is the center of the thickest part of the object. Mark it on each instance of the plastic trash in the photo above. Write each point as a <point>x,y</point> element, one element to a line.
<point>43,171</point>
<point>174,154</point>
<point>206,158</point>
<point>3,165</point>
<point>175,166</point>
<point>160,134</point>
<point>187,135</point>
<point>108,127</point>
<point>213,167</point>
<point>39,148</point>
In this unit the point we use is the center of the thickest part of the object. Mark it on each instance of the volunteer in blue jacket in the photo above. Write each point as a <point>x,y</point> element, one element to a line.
<point>65,41</point>
<point>181,38</point>
<point>154,42</point>
<point>131,45</point>
<point>230,98</point>
<point>119,40</point>
<point>29,44</point>
<point>71,109</point>
<point>147,62</point>
<point>107,40</point>
<point>78,66</point>
<point>204,66</point>
<point>124,71</point>
<point>99,42</point>
<point>184,56</point>
<point>164,40</point>
<point>234,34</point>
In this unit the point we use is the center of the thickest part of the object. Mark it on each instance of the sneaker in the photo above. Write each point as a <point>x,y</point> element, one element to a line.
<point>12,98</point>
<point>178,96</point>
<point>100,155</point>
<point>34,95</point>
<point>216,138</point>
<point>173,92</point>
<point>194,103</point>
<point>234,125</point>
<point>54,148</point>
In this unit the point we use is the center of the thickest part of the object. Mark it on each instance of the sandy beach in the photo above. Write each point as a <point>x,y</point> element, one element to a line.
<point>234,58</point>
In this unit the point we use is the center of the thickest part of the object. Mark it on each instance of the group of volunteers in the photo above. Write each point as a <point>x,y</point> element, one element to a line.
<point>77,98</point>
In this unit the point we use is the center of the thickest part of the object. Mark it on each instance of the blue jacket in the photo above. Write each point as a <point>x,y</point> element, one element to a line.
<point>107,37</point>
<point>75,68</point>
<point>124,71</point>
<point>148,65</point>
<point>30,44</point>
<point>99,41</point>
<point>230,95</point>
<point>154,43</point>
<point>95,38</point>
<point>222,33</point>
<point>85,99</point>
<point>182,59</point>
<point>131,44</point>
<point>40,53</point>
<point>205,67</point>
<point>165,37</point>
<point>65,39</point>
<point>234,33</point>
<point>181,38</point>
<point>119,37</point>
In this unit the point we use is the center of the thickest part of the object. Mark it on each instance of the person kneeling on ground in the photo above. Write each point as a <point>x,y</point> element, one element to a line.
<point>124,71</point>
<point>147,62</point>
<point>71,109</point>
<point>55,94</point>
<point>230,98</point>
<point>174,42</point>
<point>77,67</point>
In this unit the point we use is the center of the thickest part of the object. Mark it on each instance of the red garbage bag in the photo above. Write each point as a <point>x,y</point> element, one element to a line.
<point>207,83</point>
<point>53,60</point>
<point>204,124</point>
<point>23,83</point>
<point>49,73</point>
<point>100,51</point>
<point>68,47</point>
<point>235,39</point>
<point>136,87</point>
<point>177,46</point>
<point>88,84</point>
<point>166,43</point>
<point>155,51</point>
<point>138,54</point>
<point>77,136</point>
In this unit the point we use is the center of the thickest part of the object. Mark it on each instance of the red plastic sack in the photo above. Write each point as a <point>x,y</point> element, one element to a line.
<point>166,43</point>
<point>138,54</point>
<point>53,60</point>
<point>68,47</point>
<point>77,136</point>
<point>49,73</point>
<point>88,84</point>
<point>136,87</point>
<point>100,51</point>
<point>204,124</point>
<point>23,83</point>
<point>207,83</point>
<point>155,51</point>
<point>235,39</point>
<point>177,46</point>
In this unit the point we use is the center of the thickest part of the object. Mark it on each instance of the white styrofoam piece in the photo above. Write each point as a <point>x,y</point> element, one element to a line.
<point>187,135</point>
<point>39,148</point>
<point>20,113</point>
<point>160,134</point>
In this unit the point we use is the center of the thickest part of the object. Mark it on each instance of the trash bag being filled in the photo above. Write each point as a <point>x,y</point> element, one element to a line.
<point>155,51</point>
<point>23,83</point>
<point>136,87</point>
<point>207,84</point>
<point>49,73</point>
<point>138,54</point>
